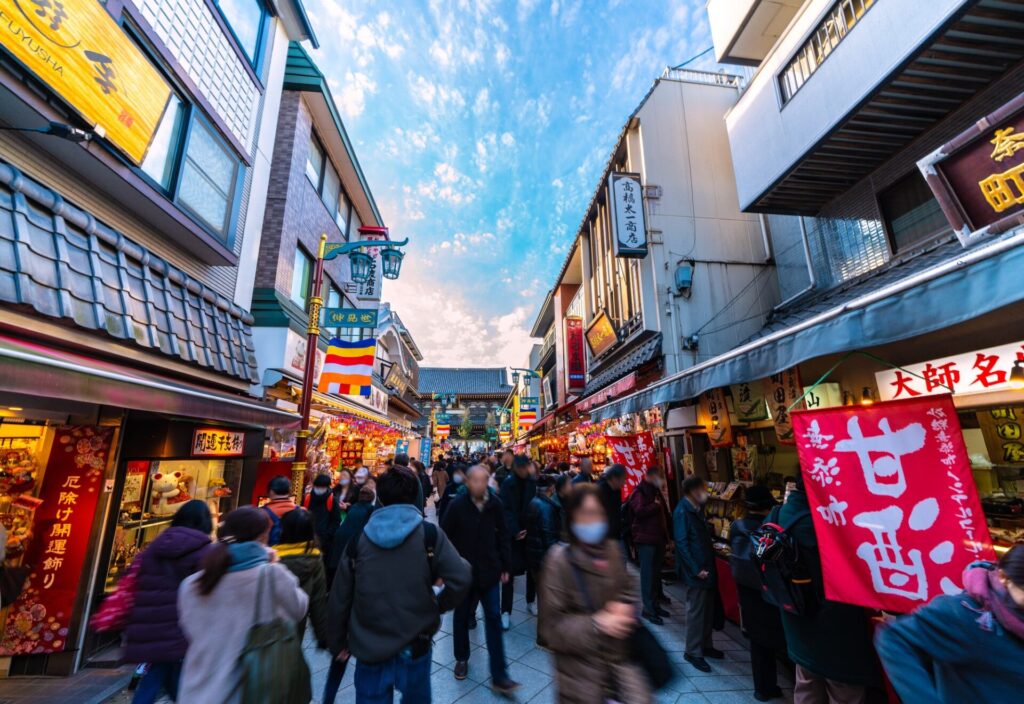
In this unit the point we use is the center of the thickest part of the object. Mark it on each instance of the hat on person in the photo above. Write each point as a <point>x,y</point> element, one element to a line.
<point>759,496</point>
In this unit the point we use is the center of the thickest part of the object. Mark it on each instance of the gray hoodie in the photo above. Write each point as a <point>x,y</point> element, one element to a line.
<point>383,601</point>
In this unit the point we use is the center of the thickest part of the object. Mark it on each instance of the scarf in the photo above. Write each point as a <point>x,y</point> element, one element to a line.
<point>290,549</point>
<point>982,584</point>
<point>245,556</point>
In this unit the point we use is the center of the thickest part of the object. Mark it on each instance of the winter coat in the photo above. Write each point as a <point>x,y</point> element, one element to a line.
<point>308,566</point>
<point>383,600</point>
<point>811,640</point>
<point>451,490</point>
<point>964,648</point>
<point>651,521</point>
<point>355,521</point>
<point>152,634</point>
<point>588,662</point>
<point>543,528</point>
<point>480,537</point>
<point>516,495</point>
<point>217,627</point>
<point>694,550</point>
<point>760,620</point>
<point>439,480</point>
<point>279,507</point>
<point>612,502</point>
<point>326,517</point>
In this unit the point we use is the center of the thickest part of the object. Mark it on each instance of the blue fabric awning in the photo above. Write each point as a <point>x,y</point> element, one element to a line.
<point>946,286</point>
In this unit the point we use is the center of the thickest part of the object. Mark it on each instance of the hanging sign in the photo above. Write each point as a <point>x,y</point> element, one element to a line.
<point>575,358</point>
<point>748,401</point>
<point>716,418</point>
<point>976,372</point>
<point>782,390</point>
<point>895,508</point>
<point>823,396</point>
<point>601,335</point>
<point>349,318</point>
<point>402,447</point>
<point>425,448</point>
<point>76,48</point>
<point>634,452</point>
<point>629,232</point>
<point>39,620</point>
<point>1003,430</point>
<point>211,442</point>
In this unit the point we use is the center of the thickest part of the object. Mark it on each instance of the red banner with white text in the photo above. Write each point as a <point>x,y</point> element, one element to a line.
<point>894,505</point>
<point>634,452</point>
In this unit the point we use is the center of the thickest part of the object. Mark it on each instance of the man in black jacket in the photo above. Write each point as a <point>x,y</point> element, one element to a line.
<point>610,487</point>
<point>475,522</point>
<point>516,493</point>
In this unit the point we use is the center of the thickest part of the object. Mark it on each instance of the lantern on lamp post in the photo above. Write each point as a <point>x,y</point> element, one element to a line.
<point>391,262</point>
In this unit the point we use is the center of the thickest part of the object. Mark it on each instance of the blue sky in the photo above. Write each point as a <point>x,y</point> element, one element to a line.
<point>483,127</point>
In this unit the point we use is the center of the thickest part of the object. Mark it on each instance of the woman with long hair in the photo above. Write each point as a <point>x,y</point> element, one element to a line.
<point>589,608</point>
<point>241,584</point>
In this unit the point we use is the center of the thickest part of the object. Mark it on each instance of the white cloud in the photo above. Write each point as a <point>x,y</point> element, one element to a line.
<point>482,103</point>
<point>476,243</point>
<point>557,183</point>
<point>507,139</point>
<point>352,96</point>
<point>436,97</point>
<point>501,54</point>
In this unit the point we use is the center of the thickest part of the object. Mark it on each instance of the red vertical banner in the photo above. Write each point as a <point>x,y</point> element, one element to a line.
<point>634,452</point>
<point>39,620</point>
<point>894,505</point>
<point>783,390</point>
<point>575,359</point>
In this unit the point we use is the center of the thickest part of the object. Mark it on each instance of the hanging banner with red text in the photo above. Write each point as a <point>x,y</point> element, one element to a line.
<point>39,620</point>
<point>894,505</point>
<point>634,452</point>
<point>575,359</point>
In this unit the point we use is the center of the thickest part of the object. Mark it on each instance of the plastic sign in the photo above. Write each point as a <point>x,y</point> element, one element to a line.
<point>978,372</point>
<point>349,318</point>
<point>575,358</point>
<point>601,335</point>
<point>211,442</point>
<point>629,230</point>
<point>76,48</point>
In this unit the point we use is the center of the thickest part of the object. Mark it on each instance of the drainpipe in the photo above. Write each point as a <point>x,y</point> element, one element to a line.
<point>810,269</point>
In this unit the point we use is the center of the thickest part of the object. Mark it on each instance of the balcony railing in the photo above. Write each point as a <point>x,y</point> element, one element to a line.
<point>708,78</point>
<point>549,342</point>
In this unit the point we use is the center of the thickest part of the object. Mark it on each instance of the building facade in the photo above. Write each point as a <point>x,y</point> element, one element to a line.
<point>471,399</point>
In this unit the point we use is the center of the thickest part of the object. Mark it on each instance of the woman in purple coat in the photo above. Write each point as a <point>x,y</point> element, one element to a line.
<point>153,635</point>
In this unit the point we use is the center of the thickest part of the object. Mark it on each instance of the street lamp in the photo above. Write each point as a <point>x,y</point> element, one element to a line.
<point>361,262</point>
<point>391,262</point>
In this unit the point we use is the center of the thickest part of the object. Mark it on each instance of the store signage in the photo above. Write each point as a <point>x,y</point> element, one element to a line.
<point>1003,430</point>
<point>716,418</point>
<point>575,358</point>
<point>895,508</point>
<point>396,380</point>
<point>748,402</point>
<point>530,401</point>
<point>970,373</point>
<point>634,452</point>
<point>295,355</point>
<point>376,401</point>
<point>211,442</point>
<point>349,318</point>
<point>58,543</point>
<point>402,447</point>
<point>76,48</point>
<point>626,383</point>
<point>978,177</point>
<point>601,335</point>
<point>784,390</point>
<point>425,448</point>
<point>823,396</point>
<point>629,231</point>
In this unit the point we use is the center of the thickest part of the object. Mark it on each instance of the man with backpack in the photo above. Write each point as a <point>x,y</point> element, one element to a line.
<point>390,632</point>
<point>695,562</point>
<point>279,492</point>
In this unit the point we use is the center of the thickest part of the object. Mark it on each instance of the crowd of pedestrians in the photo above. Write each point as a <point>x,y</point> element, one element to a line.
<point>356,564</point>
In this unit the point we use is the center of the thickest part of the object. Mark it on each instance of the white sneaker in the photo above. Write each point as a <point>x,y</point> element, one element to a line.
<point>532,608</point>
<point>506,621</point>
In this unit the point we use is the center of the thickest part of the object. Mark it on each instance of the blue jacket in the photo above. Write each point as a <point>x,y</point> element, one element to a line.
<point>694,551</point>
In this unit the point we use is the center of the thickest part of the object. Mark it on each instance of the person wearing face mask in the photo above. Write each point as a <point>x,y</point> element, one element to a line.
<point>588,610</point>
<point>651,530</point>
<point>451,489</point>
<point>695,563</point>
<point>325,512</point>
<point>340,491</point>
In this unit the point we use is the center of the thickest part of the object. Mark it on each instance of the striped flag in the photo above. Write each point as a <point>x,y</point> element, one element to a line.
<point>443,431</point>
<point>348,368</point>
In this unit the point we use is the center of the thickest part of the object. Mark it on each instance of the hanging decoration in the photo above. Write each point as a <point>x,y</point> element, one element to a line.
<point>348,367</point>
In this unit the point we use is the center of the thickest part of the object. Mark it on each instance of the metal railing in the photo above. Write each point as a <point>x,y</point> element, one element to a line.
<point>709,78</point>
<point>549,342</point>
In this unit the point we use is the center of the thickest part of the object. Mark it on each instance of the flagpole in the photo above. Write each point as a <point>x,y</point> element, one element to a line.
<point>309,371</point>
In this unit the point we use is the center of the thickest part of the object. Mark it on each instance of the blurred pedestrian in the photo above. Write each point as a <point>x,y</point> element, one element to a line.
<point>340,491</point>
<point>280,502</point>
<point>543,531</point>
<point>589,610</point>
<point>651,532</point>
<point>458,478</point>
<point>761,620</point>
<point>475,522</point>
<point>695,563</point>
<point>390,634</point>
<point>503,470</point>
<point>967,647</point>
<point>586,469</point>
<point>438,480</point>
<point>152,634</point>
<point>218,606</point>
<point>325,512</point>
<point>516,493</point>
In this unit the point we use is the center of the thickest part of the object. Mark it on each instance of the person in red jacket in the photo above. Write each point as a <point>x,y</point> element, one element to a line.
<point>652,526</point>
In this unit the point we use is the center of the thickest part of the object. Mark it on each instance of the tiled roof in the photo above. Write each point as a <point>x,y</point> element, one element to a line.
<point>455,380</point>
<point>63,263</point>
<point>642,354</point>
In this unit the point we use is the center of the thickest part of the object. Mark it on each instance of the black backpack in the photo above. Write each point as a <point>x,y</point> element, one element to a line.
<point>429,545</point>
<point>786,577</point>
<point>745,570</point>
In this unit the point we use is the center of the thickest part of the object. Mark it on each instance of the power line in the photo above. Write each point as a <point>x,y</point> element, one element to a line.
<point>694,58</point>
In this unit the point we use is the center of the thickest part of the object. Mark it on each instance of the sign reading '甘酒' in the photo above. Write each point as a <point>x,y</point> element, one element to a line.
<point>76,48</point>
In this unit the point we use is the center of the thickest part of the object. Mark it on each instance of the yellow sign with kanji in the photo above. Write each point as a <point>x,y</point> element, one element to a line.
<point>76,48</point>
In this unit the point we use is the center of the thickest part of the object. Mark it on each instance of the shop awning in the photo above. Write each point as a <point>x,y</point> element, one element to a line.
<point>272,377</point>
<point>38,370</point>
<point>946,286</point>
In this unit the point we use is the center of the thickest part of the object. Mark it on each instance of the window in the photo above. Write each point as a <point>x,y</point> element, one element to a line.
<point>246,19</point>
<point>327,184</point>
<point>208,178</point>
<point>354,225</point>
<point>302,272</point>
<point>314,162</point>
<point>341,218</point>
<point>912,215</point>
<point>331,189</point>
<point>161,159</point>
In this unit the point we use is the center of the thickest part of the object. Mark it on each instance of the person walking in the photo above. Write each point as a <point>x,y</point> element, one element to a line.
<point>695,563</point>
<point>650,533</point>
<point>451,489</point>
<point>966,647</point>
<point>475,522</point>
<point>390,635</point>
<point>588,609</point>
<point>216,604</point>
<point>355,521</point>
<point>152,634</point>
<point>426,486</point>
<point>438,480</point>
<point>325,512</point>
<point>298,552</point>
<point>340,492</point>
<point>543,531</point>
<point>279,492</point>
<point>828,669</point>
<point>760,620</point>
<point>503,470</point>
<point>586,470</point>
<point>517,491</point>
<point>359,479</point>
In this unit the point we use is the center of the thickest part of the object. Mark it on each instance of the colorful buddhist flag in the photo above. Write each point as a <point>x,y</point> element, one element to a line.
<point>348,367</point>
<point>443,430</point>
